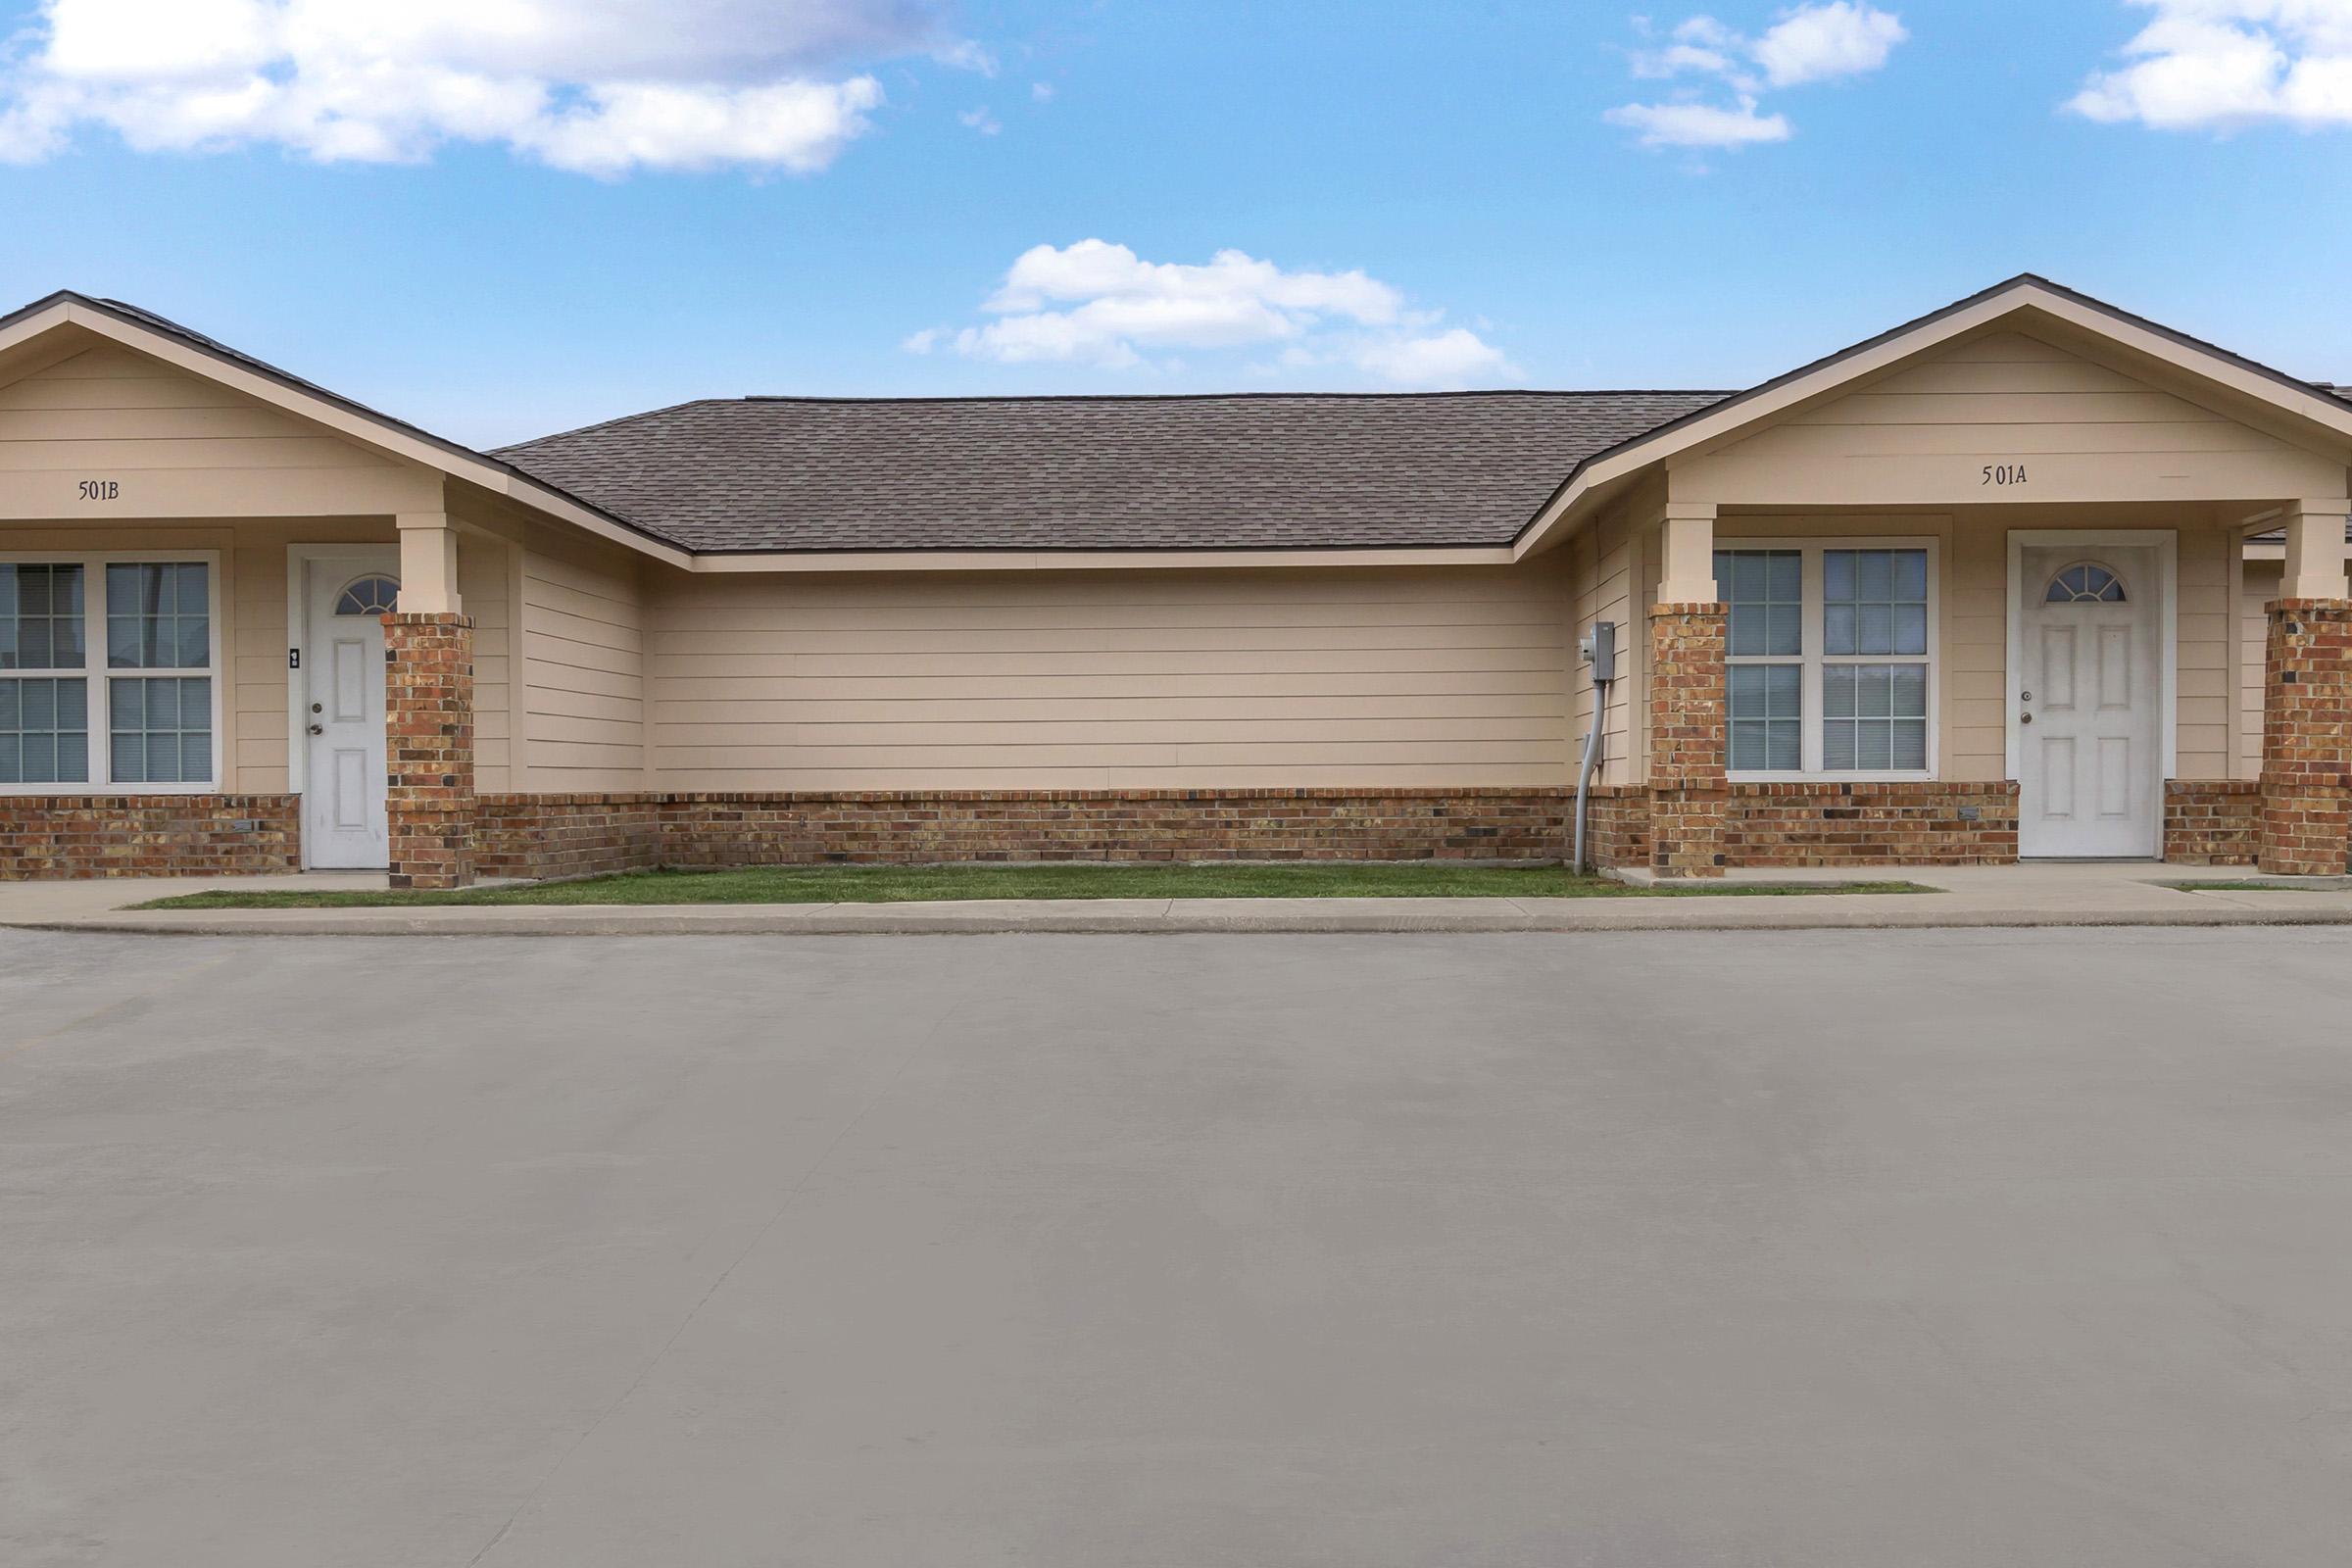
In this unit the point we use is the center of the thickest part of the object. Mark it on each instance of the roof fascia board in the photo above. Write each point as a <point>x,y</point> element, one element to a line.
<point>1775,399</point>
<point>903,560</point>
<point>343,421</point>
<point>2305,406</point>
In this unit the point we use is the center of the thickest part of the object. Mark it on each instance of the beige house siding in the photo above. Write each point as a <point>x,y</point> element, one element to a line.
<point>2261,583</point>
<point>485,576</point>
<point>2208,654</point>
<point>1612,583</point>
<point>178,445</point>
<point>1923,434</point>
<point>1095,680</point>
<point>582,720</point>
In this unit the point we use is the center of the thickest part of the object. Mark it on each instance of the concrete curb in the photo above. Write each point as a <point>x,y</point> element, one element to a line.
<point>1856,912</point>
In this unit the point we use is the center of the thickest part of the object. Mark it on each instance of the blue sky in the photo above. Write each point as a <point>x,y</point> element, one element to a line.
<point>500,235</point>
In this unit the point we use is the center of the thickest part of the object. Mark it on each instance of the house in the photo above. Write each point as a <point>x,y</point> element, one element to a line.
<point>1977,589</point>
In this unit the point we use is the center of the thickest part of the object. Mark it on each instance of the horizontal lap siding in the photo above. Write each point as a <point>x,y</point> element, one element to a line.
<point>1111,680</point>
<point>2263,581</point>
<point>108,411</point>
<point>482,589</point>
<point>2208,654</point>
<point>1923,434</point>
<point>583,710</point>
<point>1610,588</point>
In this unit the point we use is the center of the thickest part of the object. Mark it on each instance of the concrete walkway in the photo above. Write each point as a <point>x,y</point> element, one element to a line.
<point>2045,894</point>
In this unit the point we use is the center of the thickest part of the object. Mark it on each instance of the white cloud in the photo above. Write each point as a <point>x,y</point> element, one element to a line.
<point>981,120</point>
<point>1095,302</point>
<point>601,86</point>
<point>1449,358</point>
<point>1808,43</point>
<point>966,54</point>
<point>1698,125</point>
<point>1041,91</point>
<point>1814,43</point>
<point>2227,62</point>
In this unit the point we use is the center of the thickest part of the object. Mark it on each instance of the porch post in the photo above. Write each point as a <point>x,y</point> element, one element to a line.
<point>2307,701</point>
<point>1688,628</point>
<point>428,646</point>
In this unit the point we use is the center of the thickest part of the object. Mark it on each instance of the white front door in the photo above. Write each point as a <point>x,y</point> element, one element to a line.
<point>341,711</point>
<point>2088,701</point>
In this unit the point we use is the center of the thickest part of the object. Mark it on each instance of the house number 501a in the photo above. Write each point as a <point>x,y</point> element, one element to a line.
<point>100,489</point>
<point>2004,474</point>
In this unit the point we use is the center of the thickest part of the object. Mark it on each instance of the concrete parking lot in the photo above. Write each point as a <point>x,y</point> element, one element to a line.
<point>1812,1248</point>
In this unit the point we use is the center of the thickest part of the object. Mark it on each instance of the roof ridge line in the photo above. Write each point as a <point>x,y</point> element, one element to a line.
<point>1211,397</point>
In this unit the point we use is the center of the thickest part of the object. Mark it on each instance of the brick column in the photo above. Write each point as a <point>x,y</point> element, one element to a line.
<point>2307,739</point>
<point>430,750</point>
<point>1687,739</point>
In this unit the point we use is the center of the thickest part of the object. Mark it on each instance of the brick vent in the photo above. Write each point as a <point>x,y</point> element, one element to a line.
<point>1894,823</point>
<point>82,836</point>
<point>2307,738</point>
<point>2211,821</point>
<point>429,745</point>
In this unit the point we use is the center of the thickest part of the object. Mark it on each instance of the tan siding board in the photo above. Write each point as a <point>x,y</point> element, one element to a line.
<point>1544,636</point>
<point>2087,432</point>
<point>482,590</point>
<point>170,424</point>
<point>1997,410</point>
<point>582,622</point>
<point>1095,681</point>
<point>1239,709</point>
<point>2007,348</point>
<point>1290,775</point>
<point>138,455</point>
<point>2263,580</point>
<point>42,391</point>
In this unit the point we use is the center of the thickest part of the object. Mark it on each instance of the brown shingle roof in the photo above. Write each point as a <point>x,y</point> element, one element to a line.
<point>1261,470</point>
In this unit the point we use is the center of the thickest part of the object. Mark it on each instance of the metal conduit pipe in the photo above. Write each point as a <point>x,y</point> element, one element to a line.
<point>1600,649</point>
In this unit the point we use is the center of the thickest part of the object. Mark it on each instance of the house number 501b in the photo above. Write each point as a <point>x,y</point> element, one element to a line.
<point>2004,474</point>
<point>100,489</point>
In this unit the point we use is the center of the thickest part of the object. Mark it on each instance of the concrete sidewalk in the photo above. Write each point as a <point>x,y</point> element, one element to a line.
<point>2047,894</point>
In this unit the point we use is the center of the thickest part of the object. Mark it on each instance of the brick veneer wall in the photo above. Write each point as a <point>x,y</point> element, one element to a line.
<point>148,835</point>
<point>1618,830</point>
<point>2211,821</point>
<point>429,748</point>
<point>1687,739</point>
<point>2307,738</point>
<point>540,836</point>
<point>1303,824</point>
<point>1913,823</point>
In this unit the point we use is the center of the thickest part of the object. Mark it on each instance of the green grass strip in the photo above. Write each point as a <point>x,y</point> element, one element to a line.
<point>892,884</point>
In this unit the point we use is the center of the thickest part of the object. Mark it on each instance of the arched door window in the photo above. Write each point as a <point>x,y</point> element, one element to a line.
<point>372,595</point>
<point>2085,583</point>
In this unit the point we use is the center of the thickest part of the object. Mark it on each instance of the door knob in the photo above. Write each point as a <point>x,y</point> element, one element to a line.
<point>317,729</point>
<point>2022,719</point>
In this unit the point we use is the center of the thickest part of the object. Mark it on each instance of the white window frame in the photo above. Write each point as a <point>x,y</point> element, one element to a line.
<point>99,676</point>
<point>1815,620</point>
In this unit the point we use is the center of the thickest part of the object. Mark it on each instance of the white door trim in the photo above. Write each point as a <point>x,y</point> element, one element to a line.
<point>355,558</point>
<point>2167,565</point>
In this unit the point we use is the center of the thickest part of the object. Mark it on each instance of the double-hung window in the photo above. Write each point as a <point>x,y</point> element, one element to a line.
<point>109,670</point>
<point>1830,658</point>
